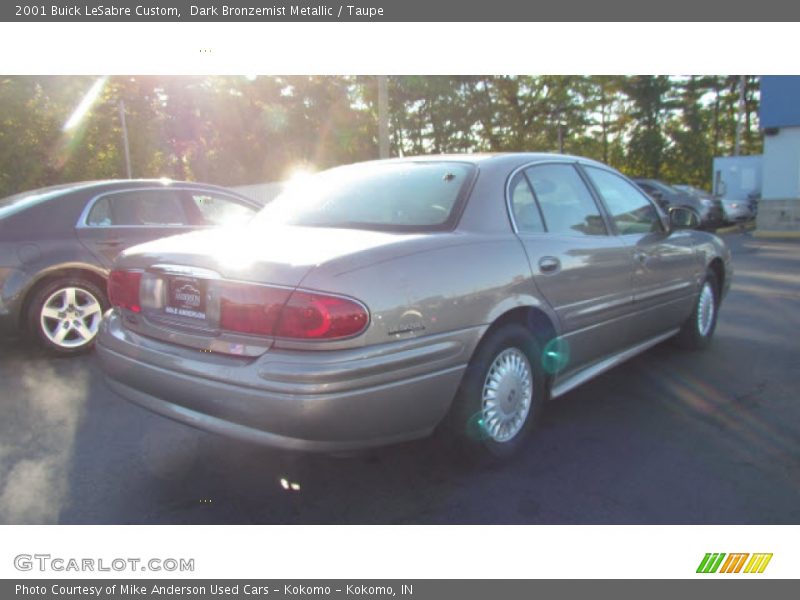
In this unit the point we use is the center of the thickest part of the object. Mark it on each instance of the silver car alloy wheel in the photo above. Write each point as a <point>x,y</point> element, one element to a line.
<point>705,310</point>
<point>70,317</point>
<point>507,395</point>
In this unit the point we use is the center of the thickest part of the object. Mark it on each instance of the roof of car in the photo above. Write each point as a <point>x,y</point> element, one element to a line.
<point>508,159</point>
<point>54,191</point>
<point>23,200</point>
<point>66,188</point>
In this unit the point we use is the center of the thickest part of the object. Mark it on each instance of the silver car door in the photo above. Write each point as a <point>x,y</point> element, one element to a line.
<point>665,264</point>
<point>583,272</point>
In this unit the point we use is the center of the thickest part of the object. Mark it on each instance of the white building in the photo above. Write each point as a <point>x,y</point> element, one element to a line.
<point>779,208</point>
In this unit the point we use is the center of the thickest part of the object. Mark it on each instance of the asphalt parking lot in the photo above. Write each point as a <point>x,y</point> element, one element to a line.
<point>669,437</point>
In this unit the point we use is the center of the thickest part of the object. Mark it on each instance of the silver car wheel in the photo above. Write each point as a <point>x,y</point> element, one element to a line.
<point>507,395</point>
<point>705,310</point>
<point>70,317</point>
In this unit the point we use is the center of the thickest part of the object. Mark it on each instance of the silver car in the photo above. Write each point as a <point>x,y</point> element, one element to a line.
<point>378,302</point>
<point>737,211</point>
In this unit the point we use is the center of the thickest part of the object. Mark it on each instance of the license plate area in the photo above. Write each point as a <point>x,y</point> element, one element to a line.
<point>186,297</point>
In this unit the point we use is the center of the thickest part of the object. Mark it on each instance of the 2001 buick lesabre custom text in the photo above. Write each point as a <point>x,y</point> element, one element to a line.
<point>373,303</point>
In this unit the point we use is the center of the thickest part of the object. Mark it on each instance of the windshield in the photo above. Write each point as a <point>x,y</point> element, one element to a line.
<point>401,196</point>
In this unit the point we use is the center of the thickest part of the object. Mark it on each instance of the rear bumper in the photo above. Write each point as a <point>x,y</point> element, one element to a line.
<point>740,213</point>
<point>312,401</point>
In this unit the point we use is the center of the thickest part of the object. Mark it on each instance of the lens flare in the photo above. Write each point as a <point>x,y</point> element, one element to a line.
<point>74,129</point>
<point>85,105</point>
<point>555,356</point>
<point>476,428</point>
<point>702,402</point>
<point>289,486</point>
<point>299,175</point>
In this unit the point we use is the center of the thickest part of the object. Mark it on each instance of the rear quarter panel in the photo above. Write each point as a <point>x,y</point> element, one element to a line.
<point>44,242</point>
<point>464,280</point>
<point>709,247</point>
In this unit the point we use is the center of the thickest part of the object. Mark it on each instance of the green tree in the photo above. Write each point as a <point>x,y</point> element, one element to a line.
<point>647,95</point>
<point>234,130</point>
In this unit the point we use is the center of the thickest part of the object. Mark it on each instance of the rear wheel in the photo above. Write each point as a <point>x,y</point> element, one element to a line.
<point>501,394</point>
<point>696,332</point>
<point>64,315</point>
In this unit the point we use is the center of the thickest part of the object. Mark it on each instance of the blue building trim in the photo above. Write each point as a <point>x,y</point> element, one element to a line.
<point>780,101</point>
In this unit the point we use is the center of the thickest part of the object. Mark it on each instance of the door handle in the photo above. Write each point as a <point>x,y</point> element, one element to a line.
<point>549,264</point>
<point>111,243</point>
<point>640,256</point>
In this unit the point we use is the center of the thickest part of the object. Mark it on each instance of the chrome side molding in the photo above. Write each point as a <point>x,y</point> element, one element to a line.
<point>592,371</point>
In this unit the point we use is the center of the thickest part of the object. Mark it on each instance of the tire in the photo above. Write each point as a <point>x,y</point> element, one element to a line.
<point>64,315</point>
<point>485,423</point>
<point>697,330</point>
<point>701,225</point>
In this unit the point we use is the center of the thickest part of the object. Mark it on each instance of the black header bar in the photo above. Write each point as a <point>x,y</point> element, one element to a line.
<point>405,10</point>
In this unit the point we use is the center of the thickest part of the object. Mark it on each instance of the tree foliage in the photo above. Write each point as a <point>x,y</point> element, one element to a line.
<point>236,130</point>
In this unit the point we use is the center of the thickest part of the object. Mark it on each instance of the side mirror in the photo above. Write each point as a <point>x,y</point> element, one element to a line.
<point>681,217</point>
<point>658,196</point>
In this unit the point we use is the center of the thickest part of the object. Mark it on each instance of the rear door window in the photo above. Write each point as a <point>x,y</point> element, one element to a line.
<point>216,209</point>
<point>526,214</point>
<point>138,208</point>
<point>566,203</point>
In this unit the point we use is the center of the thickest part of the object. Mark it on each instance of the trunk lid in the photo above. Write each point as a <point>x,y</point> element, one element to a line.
<point>269,255</point>
<point>184,276</point>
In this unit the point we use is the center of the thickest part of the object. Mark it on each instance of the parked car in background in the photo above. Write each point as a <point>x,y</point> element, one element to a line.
<point>376,302</point>
<point>738,211</point>
<point>694,191</point>
<point>57,245</point>
<point>733,211</point>
<point>708,208</point>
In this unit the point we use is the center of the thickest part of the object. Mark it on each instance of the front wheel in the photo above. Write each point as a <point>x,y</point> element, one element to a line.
<point>696,332</point>
<point>501,395</point>
<point>64,315</point>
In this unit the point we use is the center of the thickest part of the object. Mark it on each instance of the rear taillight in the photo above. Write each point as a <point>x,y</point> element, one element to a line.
<point>315,316</point>
<point>123,289</point>
<point>264,310</point>
<point>253,309</point>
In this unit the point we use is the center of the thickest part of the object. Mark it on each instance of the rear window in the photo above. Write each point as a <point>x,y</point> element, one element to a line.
<point>137,208</point>
<point>404,196</point>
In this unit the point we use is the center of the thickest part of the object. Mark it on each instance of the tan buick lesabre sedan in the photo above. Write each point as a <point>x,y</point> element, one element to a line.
<point>378,302</point>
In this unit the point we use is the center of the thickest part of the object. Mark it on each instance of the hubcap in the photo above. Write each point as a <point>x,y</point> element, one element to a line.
<point>507,394</point>
<point>705,310</point>
<point>70,317</point>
